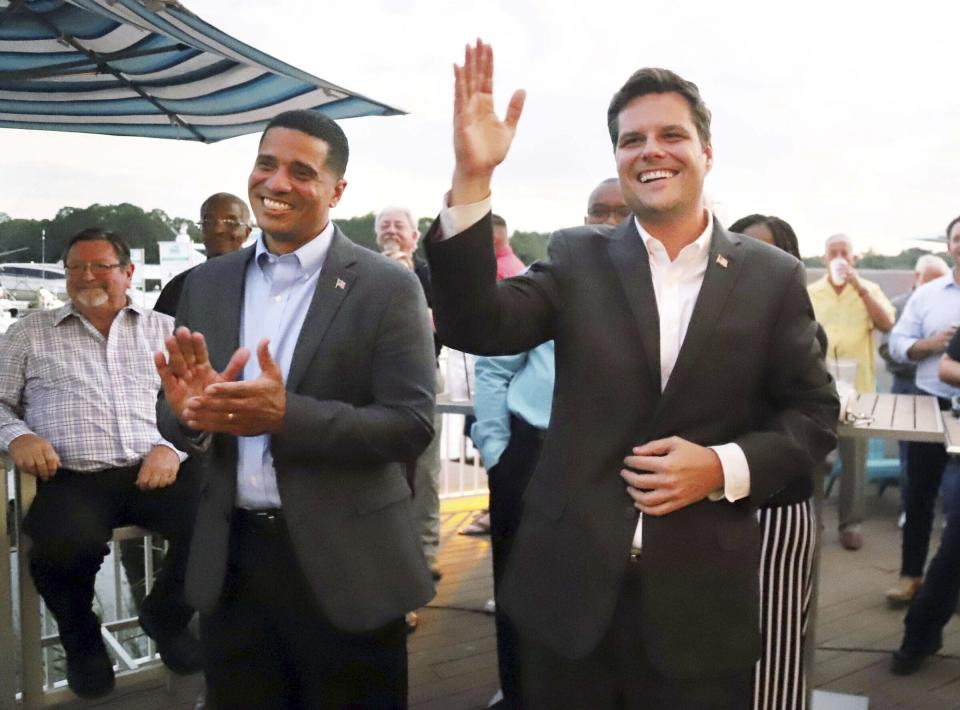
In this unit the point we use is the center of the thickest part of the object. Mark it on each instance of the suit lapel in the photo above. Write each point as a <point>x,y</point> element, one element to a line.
<point>336,279</point>
<point>723,267</point>
<point>632,263</point>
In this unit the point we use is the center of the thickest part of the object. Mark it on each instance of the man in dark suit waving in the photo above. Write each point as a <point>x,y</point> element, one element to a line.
<point>305,557</point>
<point>689,387</point>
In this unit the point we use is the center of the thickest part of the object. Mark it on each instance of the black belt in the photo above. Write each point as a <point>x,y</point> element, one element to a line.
<point>112,469</point>
<point>268,520</point>
<point>521,427</point>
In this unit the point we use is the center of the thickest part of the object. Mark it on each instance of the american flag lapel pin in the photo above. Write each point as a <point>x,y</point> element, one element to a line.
<point>722,260</point>
<point>341,284</point>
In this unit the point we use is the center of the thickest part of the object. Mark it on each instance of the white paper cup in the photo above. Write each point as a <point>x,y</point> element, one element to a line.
<point>838,271</point>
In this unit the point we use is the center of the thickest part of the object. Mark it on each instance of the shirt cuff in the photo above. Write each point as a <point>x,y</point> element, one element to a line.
<point>11,431</point>
<point>900,348</point>
<point>459,218</point>
<point>163,442</point>
<point>736,473</point>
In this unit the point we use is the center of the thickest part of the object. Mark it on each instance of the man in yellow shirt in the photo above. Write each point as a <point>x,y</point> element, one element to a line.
<point>849,308</point>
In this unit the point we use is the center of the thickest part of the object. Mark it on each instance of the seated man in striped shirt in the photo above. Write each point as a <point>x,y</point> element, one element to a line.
<point>77,410</point>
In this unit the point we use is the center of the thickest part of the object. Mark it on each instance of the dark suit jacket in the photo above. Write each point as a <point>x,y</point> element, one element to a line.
<point>360,399</point>
<point>750,372</point>
<point>169,297</point>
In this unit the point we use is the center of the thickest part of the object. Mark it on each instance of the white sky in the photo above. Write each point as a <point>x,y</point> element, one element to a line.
<point>836,116</point>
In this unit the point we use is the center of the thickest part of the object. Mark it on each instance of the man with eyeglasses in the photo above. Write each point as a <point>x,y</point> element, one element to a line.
<point>225,223</point>
<point>605,204</point>
<point>77,396</point>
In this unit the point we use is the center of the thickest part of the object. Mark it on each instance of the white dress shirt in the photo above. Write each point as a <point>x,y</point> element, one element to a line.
<point>676,285</point>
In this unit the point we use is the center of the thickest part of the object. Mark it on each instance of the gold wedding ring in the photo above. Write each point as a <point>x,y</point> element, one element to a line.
<point>230,416</point>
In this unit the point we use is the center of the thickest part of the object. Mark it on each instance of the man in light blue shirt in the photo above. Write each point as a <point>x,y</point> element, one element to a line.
<point>929,320</point>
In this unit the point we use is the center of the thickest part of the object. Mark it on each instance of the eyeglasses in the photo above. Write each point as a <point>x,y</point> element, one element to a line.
<point>604,211</point>
<point>229,223</point>
<point>96,268</point>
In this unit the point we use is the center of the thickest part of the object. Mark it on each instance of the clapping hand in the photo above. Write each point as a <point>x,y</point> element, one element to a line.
<point>186,372</point>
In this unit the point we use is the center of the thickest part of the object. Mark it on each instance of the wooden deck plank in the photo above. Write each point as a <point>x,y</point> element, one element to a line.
<point>453,659</point>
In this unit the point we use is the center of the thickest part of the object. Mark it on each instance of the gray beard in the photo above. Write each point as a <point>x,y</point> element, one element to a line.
<point>92,297</point>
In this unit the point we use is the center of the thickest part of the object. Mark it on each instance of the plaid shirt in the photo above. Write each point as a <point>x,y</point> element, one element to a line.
<point>93,398</point>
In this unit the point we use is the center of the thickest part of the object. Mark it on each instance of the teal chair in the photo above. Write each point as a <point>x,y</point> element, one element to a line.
<point>882,470</point>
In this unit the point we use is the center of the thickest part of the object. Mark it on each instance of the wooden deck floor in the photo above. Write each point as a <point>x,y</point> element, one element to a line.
<point>453,654</point>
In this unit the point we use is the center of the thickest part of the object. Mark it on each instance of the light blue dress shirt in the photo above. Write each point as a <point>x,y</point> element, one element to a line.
<point>277,294</point>
<point>519,385</point>
<point>933,307</point>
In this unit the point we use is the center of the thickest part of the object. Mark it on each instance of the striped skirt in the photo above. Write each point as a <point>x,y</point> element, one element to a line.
<point>786,577</point>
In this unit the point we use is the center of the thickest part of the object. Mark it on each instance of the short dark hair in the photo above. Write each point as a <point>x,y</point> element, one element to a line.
<point>498,221</point>
<point>319,126</point>
<point>652,80</point>
<point>96,234</point>
<point>950,226</point>
<point>784,237</point>
<point>747,222</point>
<point>225,197</point>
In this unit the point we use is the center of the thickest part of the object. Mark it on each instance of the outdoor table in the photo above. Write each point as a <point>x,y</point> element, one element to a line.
<point>951,431</point>
<point>906,417</point>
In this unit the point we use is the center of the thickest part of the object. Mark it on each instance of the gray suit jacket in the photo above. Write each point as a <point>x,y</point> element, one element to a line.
<point>360,400</point>
<point>750,371</point>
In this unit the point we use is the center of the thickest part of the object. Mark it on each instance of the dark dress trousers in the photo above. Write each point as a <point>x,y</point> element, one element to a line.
<point>360,396</point>
<point>749,372</point>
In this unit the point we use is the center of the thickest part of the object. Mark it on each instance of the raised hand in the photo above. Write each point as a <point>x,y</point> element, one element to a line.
<point>244,408</point>
<point>480,139</point>
<point>187,372</point>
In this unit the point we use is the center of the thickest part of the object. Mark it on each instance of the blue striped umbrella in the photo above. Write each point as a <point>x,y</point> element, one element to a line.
<point>147,68</point>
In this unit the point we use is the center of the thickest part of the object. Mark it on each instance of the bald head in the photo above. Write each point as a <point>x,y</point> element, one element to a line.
<point>225,223</point>
<point>606,205</point>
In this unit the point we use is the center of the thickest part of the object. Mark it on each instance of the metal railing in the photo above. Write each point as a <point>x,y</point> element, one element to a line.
<point>8,657</point>
<point>29,644</point>
<point>31,668</point>
<point>461,473</point>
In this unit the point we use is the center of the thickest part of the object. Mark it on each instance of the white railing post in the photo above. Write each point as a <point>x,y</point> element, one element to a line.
<point>8,655</point>
<point>31,654</point>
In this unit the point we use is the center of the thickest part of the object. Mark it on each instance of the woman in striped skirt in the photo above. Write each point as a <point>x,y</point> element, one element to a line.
<point>788,523</point>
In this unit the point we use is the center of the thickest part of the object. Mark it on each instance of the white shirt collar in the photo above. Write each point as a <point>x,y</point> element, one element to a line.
<point>699,247</point>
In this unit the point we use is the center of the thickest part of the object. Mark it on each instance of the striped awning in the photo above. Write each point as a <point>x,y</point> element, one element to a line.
<point>147,68</point>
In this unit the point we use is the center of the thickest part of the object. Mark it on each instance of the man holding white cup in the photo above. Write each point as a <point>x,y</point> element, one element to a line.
<point>849,308</point>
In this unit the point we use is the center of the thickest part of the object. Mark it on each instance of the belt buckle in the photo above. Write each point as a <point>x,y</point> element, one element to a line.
<point>266,520</point>
<point>271,519</point>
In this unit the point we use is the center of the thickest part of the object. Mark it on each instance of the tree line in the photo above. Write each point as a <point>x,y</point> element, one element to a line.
<point>20,239</point>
